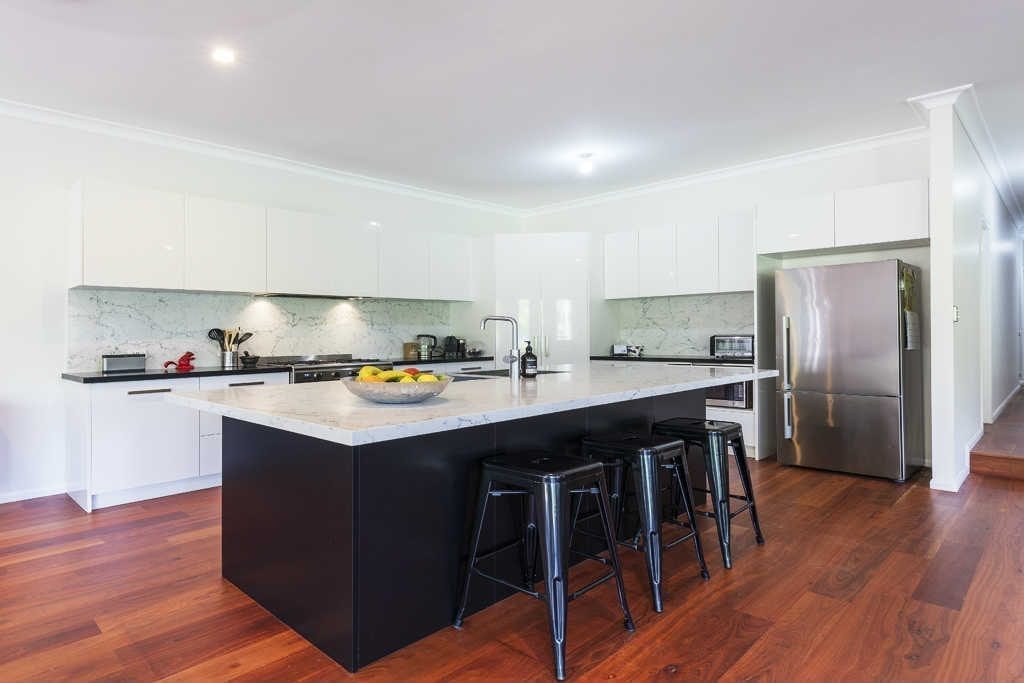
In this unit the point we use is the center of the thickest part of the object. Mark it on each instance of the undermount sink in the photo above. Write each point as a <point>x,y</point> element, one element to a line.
<point>504,372</point>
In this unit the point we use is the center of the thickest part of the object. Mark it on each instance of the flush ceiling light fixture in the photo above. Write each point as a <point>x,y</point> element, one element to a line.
<point>223,54</point>
<point>587,163</point>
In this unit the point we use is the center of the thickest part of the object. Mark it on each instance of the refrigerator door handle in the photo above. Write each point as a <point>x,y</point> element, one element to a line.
<point>787,416</point>
<point>786,384</point>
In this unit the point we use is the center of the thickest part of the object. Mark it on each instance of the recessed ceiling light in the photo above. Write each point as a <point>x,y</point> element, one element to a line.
<point>223,55</point>
<point>374,224</point>
<point>587,163</point>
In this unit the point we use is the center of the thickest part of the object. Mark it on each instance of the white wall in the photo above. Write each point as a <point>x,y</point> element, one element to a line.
<point>976,271</point>
<point>1001,318</point>
<point>969,191</point>
<point>38,165</point>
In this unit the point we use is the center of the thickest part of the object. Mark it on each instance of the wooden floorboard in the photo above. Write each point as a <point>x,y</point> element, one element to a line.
<point>1000,451</point>
<point>860,579</point>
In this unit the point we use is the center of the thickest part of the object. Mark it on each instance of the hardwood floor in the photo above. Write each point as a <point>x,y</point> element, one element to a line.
<point>859,580</point>
<point>1000,451</point>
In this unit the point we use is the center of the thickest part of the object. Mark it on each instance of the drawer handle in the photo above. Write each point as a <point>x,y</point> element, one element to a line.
<point>473,367</point>
<point>246,384</point>
<point>139,392</point>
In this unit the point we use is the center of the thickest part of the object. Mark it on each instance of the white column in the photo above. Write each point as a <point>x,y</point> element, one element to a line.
<point>948,470</point>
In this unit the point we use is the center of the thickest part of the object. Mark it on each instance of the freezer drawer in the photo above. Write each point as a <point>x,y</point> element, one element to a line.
<point>842,433</point>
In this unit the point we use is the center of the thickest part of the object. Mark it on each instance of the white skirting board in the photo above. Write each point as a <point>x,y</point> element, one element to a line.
<point>28,494</point>
<point>953,484</point>
<point>1002,406</point>
<point>170,488</point>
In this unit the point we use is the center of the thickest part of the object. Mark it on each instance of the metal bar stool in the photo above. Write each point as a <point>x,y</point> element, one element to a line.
<point>645,456</point>
<point>548,482</point>
<point>714,437</point>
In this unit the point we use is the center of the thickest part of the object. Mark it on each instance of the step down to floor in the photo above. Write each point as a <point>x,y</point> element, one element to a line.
<point>997,465</point>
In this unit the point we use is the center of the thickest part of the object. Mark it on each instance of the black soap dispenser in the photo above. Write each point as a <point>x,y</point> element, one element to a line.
<point>528,363</point>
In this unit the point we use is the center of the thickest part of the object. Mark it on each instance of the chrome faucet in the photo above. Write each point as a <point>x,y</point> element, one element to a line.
<point>513,355</point>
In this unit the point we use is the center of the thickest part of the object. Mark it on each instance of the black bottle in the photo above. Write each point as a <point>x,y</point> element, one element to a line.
<point>528,363</point>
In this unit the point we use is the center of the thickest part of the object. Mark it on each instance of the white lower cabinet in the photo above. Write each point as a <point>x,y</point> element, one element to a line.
<point>747,420</point>
<point>210,429</point>
<point>210,454</point>
<point>128,443</point>
<point>138,438</point>
<point>449,367</point>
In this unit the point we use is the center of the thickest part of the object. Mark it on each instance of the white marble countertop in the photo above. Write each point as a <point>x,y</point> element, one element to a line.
<point>327,410</point>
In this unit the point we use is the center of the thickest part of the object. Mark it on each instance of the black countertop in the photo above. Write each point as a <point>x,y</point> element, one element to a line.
<point>171,373</point>
<point>679,359</point>
<point>478,359</point>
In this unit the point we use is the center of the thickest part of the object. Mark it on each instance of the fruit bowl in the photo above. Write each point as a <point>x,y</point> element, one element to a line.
<point>396,392</point>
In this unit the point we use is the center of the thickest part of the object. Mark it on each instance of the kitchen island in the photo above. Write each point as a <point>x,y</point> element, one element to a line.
<point>349,520</point>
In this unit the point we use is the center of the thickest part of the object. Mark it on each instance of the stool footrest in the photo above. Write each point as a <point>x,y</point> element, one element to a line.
<point>499,549</point>
<point>676,541</point>
<point>497,579</point>
<point>732,513</point>
<point>734,496</point>
<point>590,556</point>
<point>593,584</point>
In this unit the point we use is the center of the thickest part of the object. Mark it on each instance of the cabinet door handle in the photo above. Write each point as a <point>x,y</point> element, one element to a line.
<point>246,384</point>
<point>139,392</point>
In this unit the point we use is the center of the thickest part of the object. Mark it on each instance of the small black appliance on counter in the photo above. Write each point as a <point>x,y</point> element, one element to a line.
<point>454,348</point>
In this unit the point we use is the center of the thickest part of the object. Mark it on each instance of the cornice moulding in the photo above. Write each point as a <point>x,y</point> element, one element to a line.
<point>53,117</point>
<point>782,161</point>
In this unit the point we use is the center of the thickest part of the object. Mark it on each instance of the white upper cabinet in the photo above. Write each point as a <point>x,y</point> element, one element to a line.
<point>656,252</point>
<point>358,274</point>
<point>882,213</point>
<point>125,236</point>
<point>450,271</point>
<point>736,259</point>
<point>621,265</point>
<point>226,246</point>
<point>796,224</point>
<point>696,255</point>
<point>304,253</point>
<point>404,264</point>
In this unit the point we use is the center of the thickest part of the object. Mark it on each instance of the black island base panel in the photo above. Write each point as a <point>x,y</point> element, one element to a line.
<point>361,549</point>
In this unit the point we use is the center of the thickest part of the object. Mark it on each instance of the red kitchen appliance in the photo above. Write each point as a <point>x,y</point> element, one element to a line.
<point>183,364</point>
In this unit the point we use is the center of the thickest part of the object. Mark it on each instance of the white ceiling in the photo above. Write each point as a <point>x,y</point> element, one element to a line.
<point>494,100</point>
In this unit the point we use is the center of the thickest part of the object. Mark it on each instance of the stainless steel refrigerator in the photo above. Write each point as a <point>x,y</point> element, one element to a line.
<point>850,390</point>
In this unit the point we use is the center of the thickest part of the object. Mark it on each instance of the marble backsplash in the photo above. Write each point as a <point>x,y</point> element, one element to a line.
<point>165,325</point>
<point>682,325</point>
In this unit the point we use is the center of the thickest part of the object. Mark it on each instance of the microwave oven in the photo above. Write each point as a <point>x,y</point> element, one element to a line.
<point>732,346</point>
<point>738,395</point>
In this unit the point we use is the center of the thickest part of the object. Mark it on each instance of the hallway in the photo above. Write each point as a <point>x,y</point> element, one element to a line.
<point>1000,451</point>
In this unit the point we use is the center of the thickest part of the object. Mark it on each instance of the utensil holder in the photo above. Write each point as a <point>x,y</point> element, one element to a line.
<point>229,360</point>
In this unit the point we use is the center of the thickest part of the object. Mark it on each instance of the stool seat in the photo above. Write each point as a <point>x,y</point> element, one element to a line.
<point>627,443</point>
<point>689,427</point>
<point>541,466</point>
